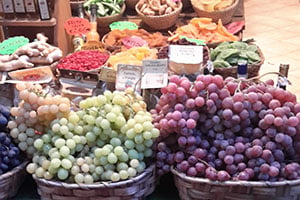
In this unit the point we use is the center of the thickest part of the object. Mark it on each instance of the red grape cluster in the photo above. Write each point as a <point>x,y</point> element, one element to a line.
<point>228,129</point>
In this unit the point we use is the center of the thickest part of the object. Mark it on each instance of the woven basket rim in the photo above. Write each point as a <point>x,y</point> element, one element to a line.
<point>14,170</point>
<point>235,183</point>
<point>232,6</point>
<point>104,184</point>
<point>158,16</point>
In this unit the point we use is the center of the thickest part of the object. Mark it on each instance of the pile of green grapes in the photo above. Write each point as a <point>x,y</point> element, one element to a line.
<point>108,139</point>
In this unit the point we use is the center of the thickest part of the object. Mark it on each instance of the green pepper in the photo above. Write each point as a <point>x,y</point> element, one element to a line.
<point>253,56</point>
<point>214,53</point>
<point>239,45</point>
<point>227,53</point>
<point>252,48</point>
<point>221,64</point>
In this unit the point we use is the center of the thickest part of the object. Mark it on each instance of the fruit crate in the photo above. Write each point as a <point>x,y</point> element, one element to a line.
<point>191,188</point>
<point>11,181</point>
<point>132,189</point>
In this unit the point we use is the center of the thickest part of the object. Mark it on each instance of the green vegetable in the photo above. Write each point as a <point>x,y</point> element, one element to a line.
<point>227,54</point>
<point>253,56</point>
<point>105,7</point>
<point>221,64</point>
<point>252,48</point>
<point>239,45</point>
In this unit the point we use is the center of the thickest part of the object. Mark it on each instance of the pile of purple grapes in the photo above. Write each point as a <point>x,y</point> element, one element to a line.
<point>228,129</point>
<point>9,154</point>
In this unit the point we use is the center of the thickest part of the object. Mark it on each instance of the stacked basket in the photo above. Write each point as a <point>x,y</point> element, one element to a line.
<point>132,189</point>
<point>200,188</point>
<point>11,181</point>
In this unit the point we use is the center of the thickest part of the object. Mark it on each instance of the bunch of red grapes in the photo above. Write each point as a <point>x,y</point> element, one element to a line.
<point>228,129</point>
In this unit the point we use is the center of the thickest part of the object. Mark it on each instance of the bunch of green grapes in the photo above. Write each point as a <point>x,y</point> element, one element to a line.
<point>108,139</point>
<point>34,113</point>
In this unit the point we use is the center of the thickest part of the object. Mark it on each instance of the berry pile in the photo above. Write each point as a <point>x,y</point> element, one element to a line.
<point>228,129</point>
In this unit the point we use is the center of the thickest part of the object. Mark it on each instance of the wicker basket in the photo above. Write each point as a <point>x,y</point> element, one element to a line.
<point>104,22</point>
<point>159,22</point>
<point>225,15</point>
<point>133,189</point>
<point>11,181</point>
<point>253,69</point>
<point>200,188</point>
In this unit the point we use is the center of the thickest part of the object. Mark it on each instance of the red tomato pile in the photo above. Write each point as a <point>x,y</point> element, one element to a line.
<point>85,60</point>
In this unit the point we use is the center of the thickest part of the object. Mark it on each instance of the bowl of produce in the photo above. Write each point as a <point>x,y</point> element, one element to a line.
<point>226,55</point>
<point>215,9</point>
<point>229,139</point>
<point>109,11</point>
<point>203,29</point>
<point>159,14</point>
<point>84,60</point>
<point>114,40</point>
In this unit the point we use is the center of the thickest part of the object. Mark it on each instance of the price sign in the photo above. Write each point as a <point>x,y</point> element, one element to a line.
<point>77,26</point>
<point>128,76</point>
<point>10,45</point>
<point>198,42</point>
<point>134,41</point>
<point>121,25</point>
<point>155,73</point>
<point>107,74</point>
<point>186,54</point>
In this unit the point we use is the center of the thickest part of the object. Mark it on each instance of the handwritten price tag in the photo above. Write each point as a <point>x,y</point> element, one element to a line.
<point>121,25</point>
<point>134,41</point>
<point>10,45</point>
<point>155,73</point>
<point>186,54</point>
<point>77,26</point>
<point>128,76</point>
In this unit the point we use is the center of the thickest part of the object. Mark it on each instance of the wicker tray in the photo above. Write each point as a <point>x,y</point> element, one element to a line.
<point>253,69</point>
<point>11,181</point>
<point>225,15</point>
<point>191,188</point>
<point>133,189</point>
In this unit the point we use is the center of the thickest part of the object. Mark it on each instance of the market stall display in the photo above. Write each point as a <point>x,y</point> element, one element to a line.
<point>212,132</point>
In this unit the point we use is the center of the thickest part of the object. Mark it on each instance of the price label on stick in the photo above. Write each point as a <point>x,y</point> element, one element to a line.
<point>129,76</point>
<point>186,54</point>
<point>107,74</point>
<point>10,45</point>
<point>77,26</point>
<point>155,73</point>
<point>134,41</point>
<point>121,25</point>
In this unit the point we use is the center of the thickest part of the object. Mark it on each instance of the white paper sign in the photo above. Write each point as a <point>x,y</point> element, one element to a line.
<point>186,54</point>
<point>128,76</point>
<point>155,73</point>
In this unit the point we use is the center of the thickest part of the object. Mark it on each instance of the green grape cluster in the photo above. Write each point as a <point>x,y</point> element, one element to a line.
<point>108,139</point>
